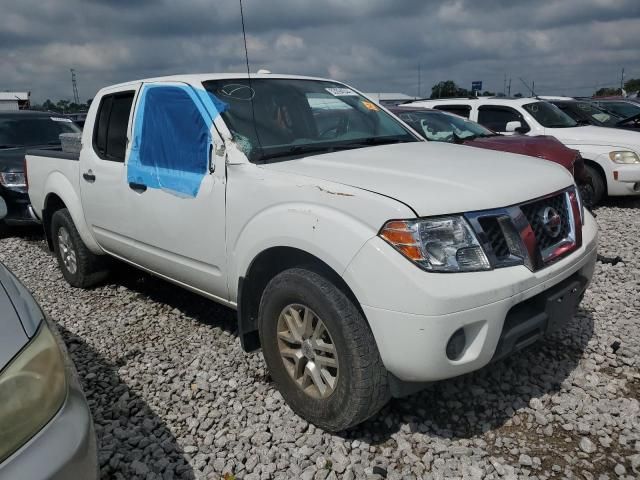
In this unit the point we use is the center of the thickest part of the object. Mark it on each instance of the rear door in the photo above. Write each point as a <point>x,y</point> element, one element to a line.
<point>106,199</point>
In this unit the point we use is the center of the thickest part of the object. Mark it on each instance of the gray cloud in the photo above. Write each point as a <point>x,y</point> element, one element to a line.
<point>376,45</point>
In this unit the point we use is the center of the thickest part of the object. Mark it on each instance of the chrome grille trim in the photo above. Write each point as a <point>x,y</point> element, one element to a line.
<point>521,230</point>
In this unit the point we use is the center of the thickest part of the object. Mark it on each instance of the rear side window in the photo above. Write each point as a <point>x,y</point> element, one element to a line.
<point>110,130</point>
<point>496,118</point>
<point>462,110</point>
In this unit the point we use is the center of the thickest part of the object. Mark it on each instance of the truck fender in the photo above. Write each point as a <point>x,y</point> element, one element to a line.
<point>57,184</point>
<point>326,233</point>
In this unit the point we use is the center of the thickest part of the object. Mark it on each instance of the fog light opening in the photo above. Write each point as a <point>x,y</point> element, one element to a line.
<point>636,187</point>
<point>456,344</point>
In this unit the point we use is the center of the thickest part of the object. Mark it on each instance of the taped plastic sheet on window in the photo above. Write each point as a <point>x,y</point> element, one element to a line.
<point>172,138</point>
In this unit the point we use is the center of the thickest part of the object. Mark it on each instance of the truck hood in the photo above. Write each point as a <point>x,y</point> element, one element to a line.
<point>592,135</point>
<point>541,146</point>
<point>435,178</point>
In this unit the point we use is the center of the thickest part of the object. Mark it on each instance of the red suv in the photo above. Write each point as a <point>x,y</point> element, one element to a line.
<point>439,126</point>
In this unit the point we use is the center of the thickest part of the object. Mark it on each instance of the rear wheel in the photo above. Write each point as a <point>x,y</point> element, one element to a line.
<point>598,183</point>
<point>320,351</point>
<point>80,267</point>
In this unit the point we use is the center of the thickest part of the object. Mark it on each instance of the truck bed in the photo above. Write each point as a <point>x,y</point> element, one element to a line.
<point>49,171</point>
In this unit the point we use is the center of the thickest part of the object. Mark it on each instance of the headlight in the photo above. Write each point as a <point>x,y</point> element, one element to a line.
<point>13,179</point>
<point>32,389</point>
<point>624,157</point>
<point>439,244</point>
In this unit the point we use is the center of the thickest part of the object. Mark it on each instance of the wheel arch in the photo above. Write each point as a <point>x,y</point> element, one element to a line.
<point>596,166</point>
<point>266,265</point>
<point>61,194</point>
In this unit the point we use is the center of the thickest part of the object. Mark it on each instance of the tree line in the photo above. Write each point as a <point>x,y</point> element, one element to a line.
<point>62,106</point>
<point>449,89</point>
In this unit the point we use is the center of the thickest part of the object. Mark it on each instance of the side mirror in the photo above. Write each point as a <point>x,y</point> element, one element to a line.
<point>513,126</point>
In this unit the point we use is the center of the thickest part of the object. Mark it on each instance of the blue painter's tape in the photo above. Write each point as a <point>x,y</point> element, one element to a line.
<point>172,137</point>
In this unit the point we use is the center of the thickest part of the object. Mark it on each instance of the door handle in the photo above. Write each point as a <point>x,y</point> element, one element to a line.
<point>138,187</point>
<point>89,176</point>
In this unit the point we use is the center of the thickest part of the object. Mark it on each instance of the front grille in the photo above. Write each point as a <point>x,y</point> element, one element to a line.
<point>518,235</point>
<point>534,213</point>
<point>495,236</point>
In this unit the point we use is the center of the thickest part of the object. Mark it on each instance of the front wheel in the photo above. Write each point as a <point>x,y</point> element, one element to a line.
<point>80,267</point>
<point>598,183</point>
<point>320,351</point>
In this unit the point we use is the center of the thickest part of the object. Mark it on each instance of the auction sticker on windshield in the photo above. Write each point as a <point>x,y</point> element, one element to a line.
<point>370,105</point>
<point>59,119</point>
<point>341,92</point>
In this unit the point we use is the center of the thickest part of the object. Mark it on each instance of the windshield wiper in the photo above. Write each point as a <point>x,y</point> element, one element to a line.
<point>297,150</point>
<point>370,141</point>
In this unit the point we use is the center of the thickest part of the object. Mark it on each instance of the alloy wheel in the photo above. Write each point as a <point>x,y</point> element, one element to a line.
<point>308,351</point>
<point>67,252</point>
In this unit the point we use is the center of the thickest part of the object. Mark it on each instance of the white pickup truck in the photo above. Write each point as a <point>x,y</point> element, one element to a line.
<point>364,261</point>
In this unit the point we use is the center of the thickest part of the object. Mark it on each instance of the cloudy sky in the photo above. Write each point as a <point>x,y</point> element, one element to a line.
<point>565,46</point>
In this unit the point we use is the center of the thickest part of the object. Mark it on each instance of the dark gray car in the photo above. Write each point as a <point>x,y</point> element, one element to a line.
<point>46,431</point>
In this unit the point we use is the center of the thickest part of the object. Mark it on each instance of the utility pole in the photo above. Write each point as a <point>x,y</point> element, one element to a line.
<point>419,83</point>
<point>504,87</point>
<point>622,80</point>
<point>76,97</point>
<point>509,91</point>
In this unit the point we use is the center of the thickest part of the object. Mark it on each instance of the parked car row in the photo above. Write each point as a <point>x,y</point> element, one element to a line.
<point>364,260</point>
<point>611,155</point>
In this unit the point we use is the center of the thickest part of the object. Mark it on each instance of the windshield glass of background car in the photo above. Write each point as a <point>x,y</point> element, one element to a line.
<point>594,112</point>
<point>34,131</point>
<point>549,116</point>
<point>299,113</point>
<point>624,109</point>
<point>443,127</point>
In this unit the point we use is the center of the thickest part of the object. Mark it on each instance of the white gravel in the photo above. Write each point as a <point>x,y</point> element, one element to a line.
<point>174,396</point>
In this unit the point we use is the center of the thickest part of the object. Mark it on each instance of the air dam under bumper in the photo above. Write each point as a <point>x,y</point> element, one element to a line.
<point>413,314</point>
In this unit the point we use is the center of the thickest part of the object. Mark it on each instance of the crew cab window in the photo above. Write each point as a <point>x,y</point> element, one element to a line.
<point>496,118</point>
<point>172,141</point>
<point>110,130</point>
<point>462,110</point>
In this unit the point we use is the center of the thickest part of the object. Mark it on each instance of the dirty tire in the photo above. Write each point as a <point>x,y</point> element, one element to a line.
<point>90,268</point>
<point>361,388</point>
<point>599,185</point>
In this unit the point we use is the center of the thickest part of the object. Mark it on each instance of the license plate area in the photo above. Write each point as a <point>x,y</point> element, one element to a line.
<point>562,305</point>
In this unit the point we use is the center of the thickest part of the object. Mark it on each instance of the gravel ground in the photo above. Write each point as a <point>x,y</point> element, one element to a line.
<point>174,396</point>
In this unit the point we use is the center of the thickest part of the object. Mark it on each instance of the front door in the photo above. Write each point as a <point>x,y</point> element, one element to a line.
<point>178,184</point>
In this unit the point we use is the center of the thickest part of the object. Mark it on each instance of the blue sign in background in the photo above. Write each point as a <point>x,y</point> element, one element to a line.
<point>476,86</point>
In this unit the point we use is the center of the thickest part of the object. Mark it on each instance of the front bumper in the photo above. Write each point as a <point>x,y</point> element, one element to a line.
<point>64,449</point>
<point>624,180</point>
<point>18,208</point>
<point>413,314</point>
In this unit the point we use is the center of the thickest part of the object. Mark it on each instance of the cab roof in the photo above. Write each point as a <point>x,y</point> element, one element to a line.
<point>203,77</point>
